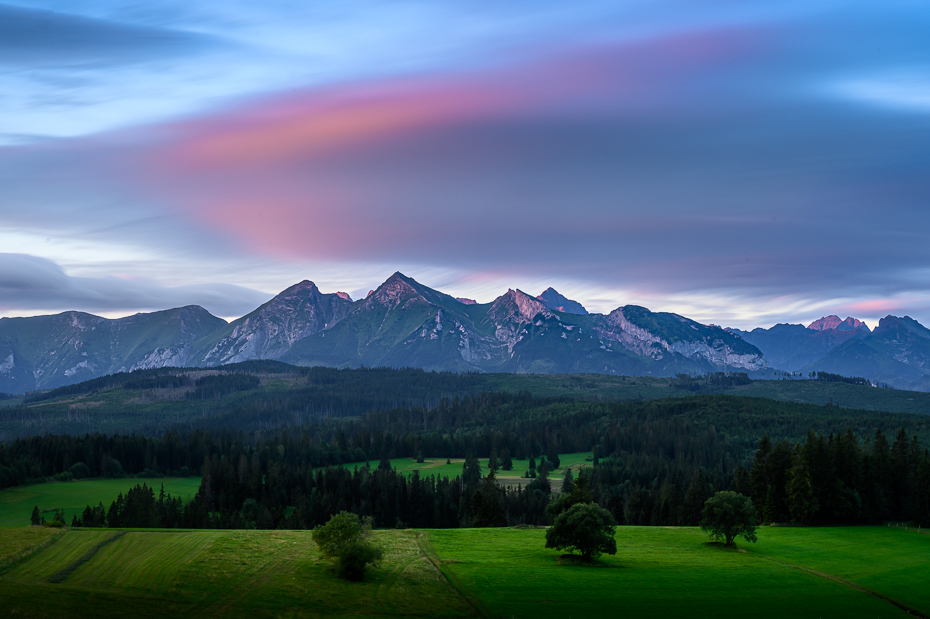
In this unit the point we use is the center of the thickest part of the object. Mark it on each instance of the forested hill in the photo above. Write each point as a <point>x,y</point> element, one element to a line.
<point>268,394</point>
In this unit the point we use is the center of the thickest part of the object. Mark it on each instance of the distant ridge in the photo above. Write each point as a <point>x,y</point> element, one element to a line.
<point>403,323</point>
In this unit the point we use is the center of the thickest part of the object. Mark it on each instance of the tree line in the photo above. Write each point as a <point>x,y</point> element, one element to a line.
<point>657,461</point>
<point>822,480</point>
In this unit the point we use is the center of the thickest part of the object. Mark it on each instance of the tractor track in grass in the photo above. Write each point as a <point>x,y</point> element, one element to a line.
<point>62,574</point>
<point>852,585</point>
<point>427,549</point>
<point>382,594</point>
<point>221,607</point>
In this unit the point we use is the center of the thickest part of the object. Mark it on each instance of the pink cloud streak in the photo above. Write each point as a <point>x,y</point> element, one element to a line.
<point>320,121</point>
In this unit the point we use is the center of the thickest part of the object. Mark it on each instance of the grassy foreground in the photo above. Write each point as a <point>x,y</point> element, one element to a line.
<point>664,572</point>
<point>219,574</point>
<point>481,573</point>
<point>73,496</point>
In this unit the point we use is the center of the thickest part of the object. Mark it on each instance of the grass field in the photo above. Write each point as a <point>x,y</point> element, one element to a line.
<point>891,562</point>
<point>438,466</point>
<point>73,496</point>
<point>229,574</point>
<point>662,572</point>
<point>504,573</point>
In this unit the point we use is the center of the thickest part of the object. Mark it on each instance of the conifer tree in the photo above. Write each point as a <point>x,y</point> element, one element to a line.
<point>506,461</point>
<point>493,463</point>
<point>568,482</point>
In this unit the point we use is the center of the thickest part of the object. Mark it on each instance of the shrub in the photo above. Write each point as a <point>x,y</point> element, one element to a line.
<point>355,558</point>
<point>344,539</point>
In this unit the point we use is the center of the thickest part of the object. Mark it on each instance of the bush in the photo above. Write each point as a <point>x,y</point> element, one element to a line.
<point>355,558</point>
<point>344,539</point>
<point>79,470</point>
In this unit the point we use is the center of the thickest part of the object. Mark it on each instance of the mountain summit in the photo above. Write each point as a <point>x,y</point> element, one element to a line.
<point>833,323</point>
<point>554,301</point>
<point>271,330</point>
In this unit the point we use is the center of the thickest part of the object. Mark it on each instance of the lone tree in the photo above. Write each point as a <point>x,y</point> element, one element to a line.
<point>728,515</point>
<point>345,540</point>
<point>586,528</point>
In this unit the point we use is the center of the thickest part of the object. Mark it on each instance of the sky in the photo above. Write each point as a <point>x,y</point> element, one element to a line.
<point>742,163</point>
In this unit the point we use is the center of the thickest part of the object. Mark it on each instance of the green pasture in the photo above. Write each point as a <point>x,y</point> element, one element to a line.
<point>73,496</point>
<point>505,573</point>
<point>892,562</point>
<point>17,544</point>
<point>438,466</point>
<point>223,574</point>
<point>672,572</point>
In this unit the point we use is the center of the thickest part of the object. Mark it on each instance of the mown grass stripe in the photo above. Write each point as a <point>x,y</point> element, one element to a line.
<point>63,573</point>
<point>12,561</point>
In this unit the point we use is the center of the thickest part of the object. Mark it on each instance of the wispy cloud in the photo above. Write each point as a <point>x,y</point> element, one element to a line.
<point>29,283</point>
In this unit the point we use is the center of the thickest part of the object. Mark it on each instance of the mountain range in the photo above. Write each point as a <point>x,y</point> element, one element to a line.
<point>406,324</point>
<point>896,353</point>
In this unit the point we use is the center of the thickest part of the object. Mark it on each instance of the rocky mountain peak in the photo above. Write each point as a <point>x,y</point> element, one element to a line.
<point>852,323</point>
<point>833,322</point>
<point>300,289</point>
<point>555,301</point>
<point>465,301</point>
<point>825,323</point>
<point>396,289</point>
<point>516,305</point>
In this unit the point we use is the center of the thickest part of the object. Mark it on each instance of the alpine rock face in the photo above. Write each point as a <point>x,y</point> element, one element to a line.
<point>833,323</point>
<point>660,334</point>
<point>401,323</point>
<point>271,330</point>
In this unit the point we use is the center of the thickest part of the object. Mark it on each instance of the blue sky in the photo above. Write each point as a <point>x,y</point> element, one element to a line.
<point>742,163</point>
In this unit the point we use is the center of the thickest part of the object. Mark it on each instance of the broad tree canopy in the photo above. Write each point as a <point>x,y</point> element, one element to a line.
<point>586,528</point>
<point>728,515</point>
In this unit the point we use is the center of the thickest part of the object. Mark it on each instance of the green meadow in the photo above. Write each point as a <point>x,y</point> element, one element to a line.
<point>438,466</point>
<point>666,572</point>
<point>506,573</point>
<point>16,503</point>
<point>221,574</point>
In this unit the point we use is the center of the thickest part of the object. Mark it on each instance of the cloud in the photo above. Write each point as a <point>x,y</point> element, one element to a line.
<point>34,284</point>
<point>629,164</point>
<point>37,38</point>
<point>685,162</point>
